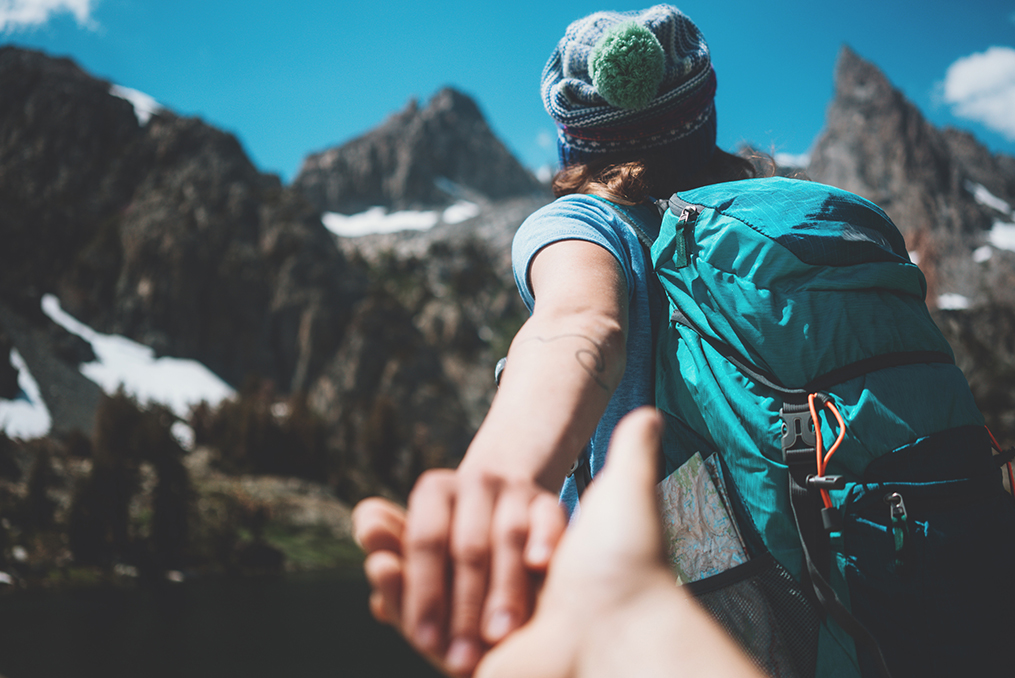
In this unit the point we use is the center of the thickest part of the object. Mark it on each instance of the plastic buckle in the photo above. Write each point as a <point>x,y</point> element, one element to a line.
<point>797,430</point>
<point>826,482</point>
<point>798,439</point>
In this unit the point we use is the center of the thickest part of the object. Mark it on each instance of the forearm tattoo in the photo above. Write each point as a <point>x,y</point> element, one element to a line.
<point>591,359</point>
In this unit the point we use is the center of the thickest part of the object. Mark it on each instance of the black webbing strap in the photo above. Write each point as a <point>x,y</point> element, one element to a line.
<point>798,453</point>
<point>830,602</point>
<point>1004,456</point>
<point>798,450</point>
<point>821,383</point>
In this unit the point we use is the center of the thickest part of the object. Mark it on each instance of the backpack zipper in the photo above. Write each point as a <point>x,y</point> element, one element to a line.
<point>688,212</point>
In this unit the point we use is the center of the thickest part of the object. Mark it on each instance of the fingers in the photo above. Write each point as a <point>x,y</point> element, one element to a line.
<point>426,538</point>
<point>378,525</point>
<point>384,572</point>
<point>470,552</point>
<point>469,546</point>
<point>526,530</point>
<point>509,600</point>
<point>632,464</point>
<point>547,523</point>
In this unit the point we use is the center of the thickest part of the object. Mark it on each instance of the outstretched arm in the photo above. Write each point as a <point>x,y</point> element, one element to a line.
<point>473,535</point>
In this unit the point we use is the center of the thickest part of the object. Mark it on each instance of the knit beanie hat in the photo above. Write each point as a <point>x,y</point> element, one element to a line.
<point>626,83</point>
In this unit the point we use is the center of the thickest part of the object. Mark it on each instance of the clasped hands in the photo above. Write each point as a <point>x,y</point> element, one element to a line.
<point>463,586</point>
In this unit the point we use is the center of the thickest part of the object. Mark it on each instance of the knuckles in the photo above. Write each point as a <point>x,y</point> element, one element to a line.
<point>513,533</point>
<point>427,540</point>
<point>471,553</point>
<point>472,549</point>
<point>436,481</point>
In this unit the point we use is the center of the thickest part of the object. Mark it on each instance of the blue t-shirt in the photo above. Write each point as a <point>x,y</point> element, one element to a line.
<point>584,217</point>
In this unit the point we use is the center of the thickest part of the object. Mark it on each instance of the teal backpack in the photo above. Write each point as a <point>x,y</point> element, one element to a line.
<point>794,318</point>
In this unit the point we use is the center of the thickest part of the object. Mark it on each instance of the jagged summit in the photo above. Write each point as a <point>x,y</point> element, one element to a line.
<point>878,144</point>
<point>931,182</point>
<point>418,158</point>
<point>159,228</point>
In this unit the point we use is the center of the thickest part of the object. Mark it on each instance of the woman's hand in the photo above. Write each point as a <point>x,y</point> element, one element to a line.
<point>472,540</point>
<point>459,572</point>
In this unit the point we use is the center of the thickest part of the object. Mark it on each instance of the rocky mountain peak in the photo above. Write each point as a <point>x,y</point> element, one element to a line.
<point>159,228</point>
<point>861,81</point>
<point>164,231</point>
<point>930,182</point>
<point>876,143</point>
<point>419,158</point>
<point>451,102</point>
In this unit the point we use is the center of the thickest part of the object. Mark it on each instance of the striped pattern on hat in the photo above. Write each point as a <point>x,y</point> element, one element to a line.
<point>589,126</point>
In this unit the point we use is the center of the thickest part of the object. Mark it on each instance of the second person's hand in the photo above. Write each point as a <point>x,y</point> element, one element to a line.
<point>471,544</point>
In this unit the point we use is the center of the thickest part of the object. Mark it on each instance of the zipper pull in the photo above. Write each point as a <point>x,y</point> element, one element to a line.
<point>680,216</point>
<point>688,215</point>
<point>899,526</point>
<point>898,507</point>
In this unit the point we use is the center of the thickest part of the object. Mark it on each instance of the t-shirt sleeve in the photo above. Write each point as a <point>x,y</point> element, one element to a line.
<point>577,217</point>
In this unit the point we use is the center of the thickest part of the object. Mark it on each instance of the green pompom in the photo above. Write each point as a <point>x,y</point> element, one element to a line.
<point>627,66</point>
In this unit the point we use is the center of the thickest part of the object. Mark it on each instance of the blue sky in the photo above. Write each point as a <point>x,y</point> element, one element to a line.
<point>290,77</point>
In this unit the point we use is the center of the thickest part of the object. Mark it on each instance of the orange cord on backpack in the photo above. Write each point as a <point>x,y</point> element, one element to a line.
<point>822,458</point>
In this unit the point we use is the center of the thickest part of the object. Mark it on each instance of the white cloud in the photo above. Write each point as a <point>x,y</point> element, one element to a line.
<point>981,87</point>
<point>15,14</point>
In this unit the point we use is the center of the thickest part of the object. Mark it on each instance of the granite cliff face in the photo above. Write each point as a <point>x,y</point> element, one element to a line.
<point>419,158</point>
<point>163,232</point>
<point>931,182</point>
<point>166,233</point>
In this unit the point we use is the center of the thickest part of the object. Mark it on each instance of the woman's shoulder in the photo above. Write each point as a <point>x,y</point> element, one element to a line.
<point>576,216</point>
<point>583,213</point>
<point>575,206</point>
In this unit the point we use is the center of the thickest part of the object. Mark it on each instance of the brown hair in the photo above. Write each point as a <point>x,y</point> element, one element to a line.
<point>656,175</point>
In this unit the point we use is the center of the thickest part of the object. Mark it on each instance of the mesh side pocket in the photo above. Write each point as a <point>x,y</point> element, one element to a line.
<point>765,611</point>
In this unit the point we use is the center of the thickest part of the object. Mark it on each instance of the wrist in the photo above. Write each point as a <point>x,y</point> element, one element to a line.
<point>516,456</point>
